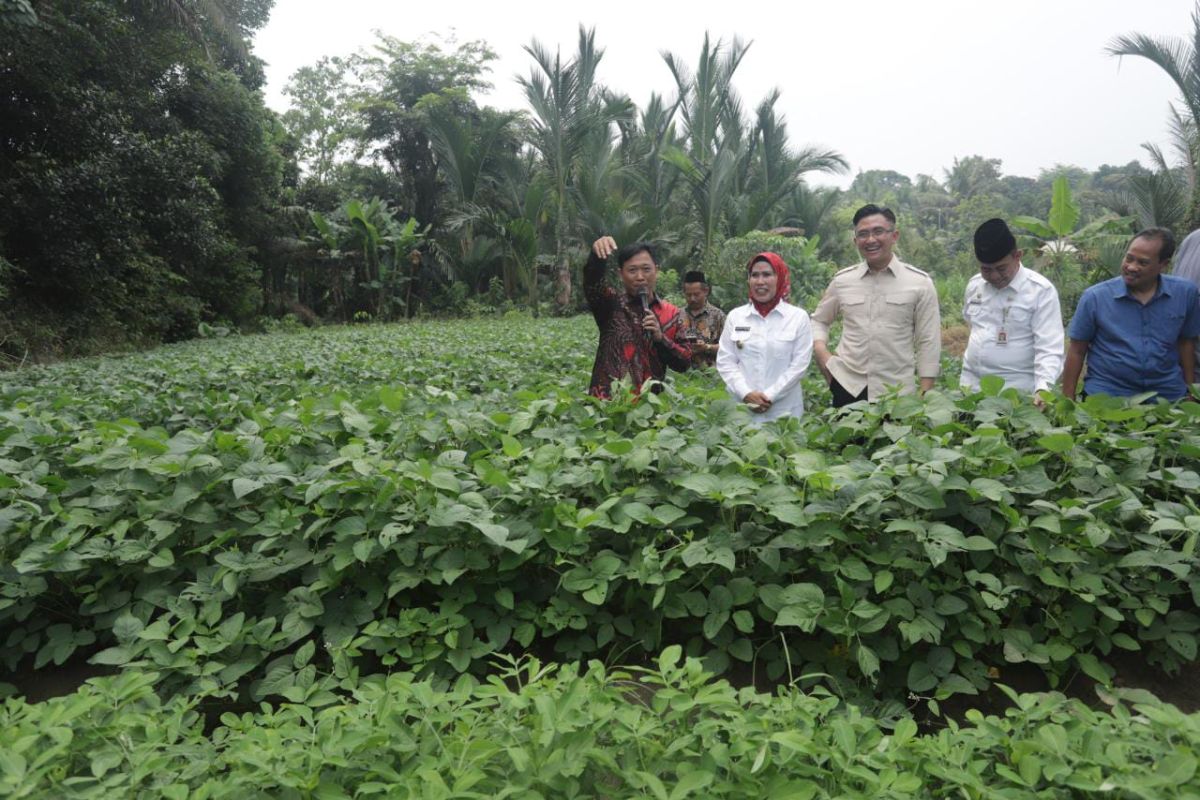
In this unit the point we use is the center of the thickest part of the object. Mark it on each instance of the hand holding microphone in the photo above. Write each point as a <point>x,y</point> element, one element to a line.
<point>650,325</point>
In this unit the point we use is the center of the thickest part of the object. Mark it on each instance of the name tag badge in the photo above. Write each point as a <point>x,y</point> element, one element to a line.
<point>740,342</point>
<point>1002,336</point>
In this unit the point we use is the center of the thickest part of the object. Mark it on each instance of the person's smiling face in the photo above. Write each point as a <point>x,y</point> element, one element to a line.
<point>1141,266</point>
<point>875,237</point>
<point>763,282</point>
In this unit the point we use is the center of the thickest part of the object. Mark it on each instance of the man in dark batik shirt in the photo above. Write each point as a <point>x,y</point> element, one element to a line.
<point>636,341</point>
<point>702,321</point>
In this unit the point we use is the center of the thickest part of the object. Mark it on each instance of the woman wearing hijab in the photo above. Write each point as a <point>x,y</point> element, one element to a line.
<point>766,344</point>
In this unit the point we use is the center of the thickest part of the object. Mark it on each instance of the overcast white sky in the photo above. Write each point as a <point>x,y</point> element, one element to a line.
<point>891,85</point>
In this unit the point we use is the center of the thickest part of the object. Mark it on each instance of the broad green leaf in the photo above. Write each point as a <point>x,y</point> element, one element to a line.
<point>1064,211</point>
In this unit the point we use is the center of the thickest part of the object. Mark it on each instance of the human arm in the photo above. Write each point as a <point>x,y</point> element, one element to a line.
<point>1187,337</point>
<point>718,326</point>
<point>669,341</point>
<point>598,295</point>
<point>927,336</point>
<point>1048,340</point>
<point>822,317</point>
<point>1082,330</point>
<point>1076,352</point>
<point>1187,360</point>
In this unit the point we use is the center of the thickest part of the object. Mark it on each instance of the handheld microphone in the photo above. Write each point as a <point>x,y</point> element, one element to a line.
<point>644,296</point>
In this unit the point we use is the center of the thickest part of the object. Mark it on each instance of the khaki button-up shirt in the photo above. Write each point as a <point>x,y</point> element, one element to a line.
<point>890,326</point>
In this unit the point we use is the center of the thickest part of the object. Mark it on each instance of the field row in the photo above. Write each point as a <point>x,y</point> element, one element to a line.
<point>668,732</point>
<point>282,516</point>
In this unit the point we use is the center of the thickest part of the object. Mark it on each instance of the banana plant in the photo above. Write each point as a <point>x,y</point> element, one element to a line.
<point>1073,258</point>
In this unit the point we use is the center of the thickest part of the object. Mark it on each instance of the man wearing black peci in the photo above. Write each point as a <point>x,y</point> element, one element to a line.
<point>702,321</point>
<point>640,334</point>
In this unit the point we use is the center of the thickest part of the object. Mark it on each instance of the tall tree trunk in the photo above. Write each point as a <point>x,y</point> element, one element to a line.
<point>562,274</point>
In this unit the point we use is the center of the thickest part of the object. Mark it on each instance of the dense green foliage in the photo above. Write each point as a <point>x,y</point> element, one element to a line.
<point>669,732</point>
<point>135,193</point>
<point>270,516</point>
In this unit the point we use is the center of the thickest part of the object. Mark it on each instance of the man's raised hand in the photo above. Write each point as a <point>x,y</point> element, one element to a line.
<point>604,247</point>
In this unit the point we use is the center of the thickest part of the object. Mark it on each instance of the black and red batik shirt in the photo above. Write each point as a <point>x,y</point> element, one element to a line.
<point>625,349</point>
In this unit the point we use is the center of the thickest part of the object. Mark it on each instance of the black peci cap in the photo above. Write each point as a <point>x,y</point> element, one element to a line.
<point>993,241</point>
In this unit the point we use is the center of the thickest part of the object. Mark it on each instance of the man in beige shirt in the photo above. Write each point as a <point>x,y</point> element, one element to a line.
<point>891,325</point>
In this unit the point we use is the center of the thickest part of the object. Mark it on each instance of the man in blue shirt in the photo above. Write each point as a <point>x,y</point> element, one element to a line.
<point>1136,330</point>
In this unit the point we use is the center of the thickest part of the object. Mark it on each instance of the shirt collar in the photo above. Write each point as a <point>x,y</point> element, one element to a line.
<point>1122,290</point>
<point>1020,279</point>
<point>1016,284</point>
<point>892,267</point>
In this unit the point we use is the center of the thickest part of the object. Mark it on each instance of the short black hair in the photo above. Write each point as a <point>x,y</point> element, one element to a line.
<point>1163,235</point>
<point>630,250</point>
<point>694,276</point>
<point>870,209</point>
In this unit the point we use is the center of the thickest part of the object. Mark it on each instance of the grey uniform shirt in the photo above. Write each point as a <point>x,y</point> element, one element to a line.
<point>891,327</point>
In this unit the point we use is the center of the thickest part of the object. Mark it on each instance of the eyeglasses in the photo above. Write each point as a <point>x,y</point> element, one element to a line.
<point>863,235</point>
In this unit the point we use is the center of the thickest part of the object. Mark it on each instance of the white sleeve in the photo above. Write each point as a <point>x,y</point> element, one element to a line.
<point>1049,341</point>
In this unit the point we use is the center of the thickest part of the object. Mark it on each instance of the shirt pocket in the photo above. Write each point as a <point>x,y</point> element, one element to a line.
<point>786,335</point>
<point>973,312</point>
<point>743,339</point>
<point>1166,326</point>
<point>1019,316</point>
<point>899,310</point>
<point>855,311</point>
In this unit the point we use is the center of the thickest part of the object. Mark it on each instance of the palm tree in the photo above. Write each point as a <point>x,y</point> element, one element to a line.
<point>1163,196</point>
<point>738,175</point>
<point>569,111</point>
<point>470,155</point>
<point>1180,59</point>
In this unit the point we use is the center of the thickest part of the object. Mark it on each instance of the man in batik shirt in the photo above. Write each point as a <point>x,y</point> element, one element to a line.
<point>702,321</point>
<point>640,334</point>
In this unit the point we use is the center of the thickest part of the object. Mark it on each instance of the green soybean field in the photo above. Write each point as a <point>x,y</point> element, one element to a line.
<point>417,561</point>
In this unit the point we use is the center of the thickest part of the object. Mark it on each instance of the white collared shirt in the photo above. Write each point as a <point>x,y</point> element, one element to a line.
<point>767,355</point>
<point>1016,332</point>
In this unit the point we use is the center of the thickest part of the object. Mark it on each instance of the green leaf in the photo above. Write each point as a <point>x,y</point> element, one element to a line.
<point>714,622</point>
<point>619,447</point>
<point>1182,643</point>
<point>920,679</point>
<point>691,783</point>
<point>883,580</point>
<point>1057,442</point>
<point>920,493</point>
<point>868,661</point>
<point>510,446</point>
<point>126,628</point>
<point>244,486</point>
<point>669,658</point>
<point>1034,225</point>
<point>304,654</point>
<point>803,605</point>
<point>1064,211</point>
<point>1092,667</point>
